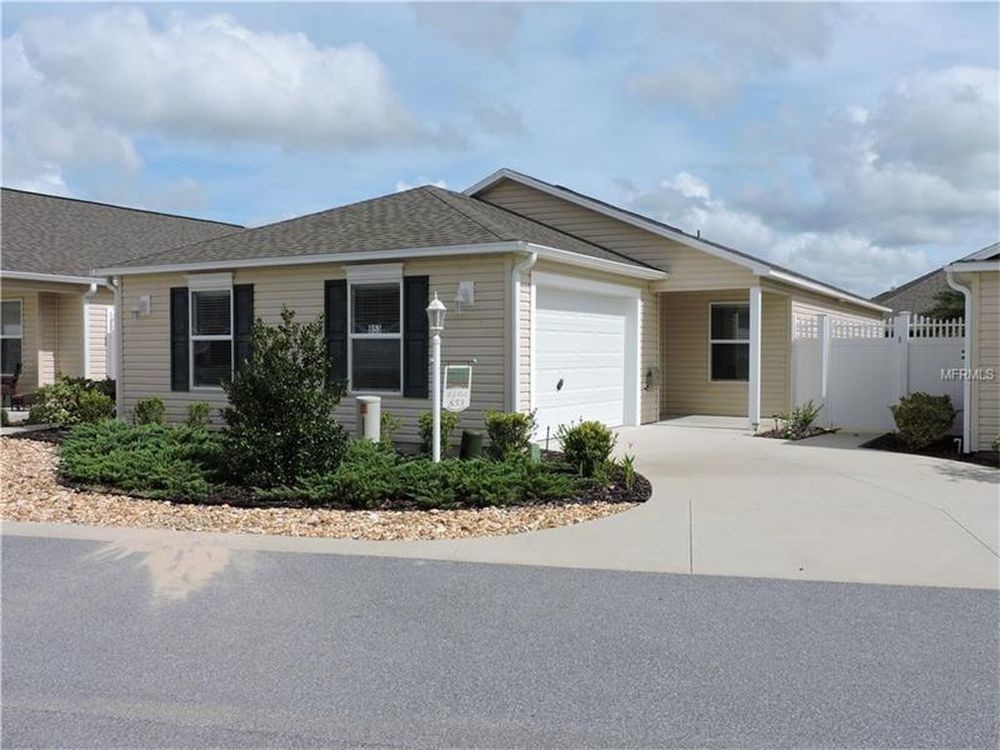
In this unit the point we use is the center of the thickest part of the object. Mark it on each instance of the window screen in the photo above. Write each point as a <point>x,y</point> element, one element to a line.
<point>375,308</point>
<point>210,313</point>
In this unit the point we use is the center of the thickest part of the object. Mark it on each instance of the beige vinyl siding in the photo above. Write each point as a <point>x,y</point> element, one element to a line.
<point>809,304</point>
<point>649,334</point>
<point>69,335</point>
<point>986,355</point>
<point>28,298</point>
<point>48,337</point>
<point>686,384</point>
<point>478,332</point>
<point>97,327</point>
<point>689,268</point>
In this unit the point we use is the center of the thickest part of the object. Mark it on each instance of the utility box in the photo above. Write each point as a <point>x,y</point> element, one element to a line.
<point>369,418</point>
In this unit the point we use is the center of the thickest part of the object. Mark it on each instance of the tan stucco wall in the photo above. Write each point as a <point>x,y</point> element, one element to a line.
<point>479,332</point>
<point>985,355</point>
<point>687,387</point>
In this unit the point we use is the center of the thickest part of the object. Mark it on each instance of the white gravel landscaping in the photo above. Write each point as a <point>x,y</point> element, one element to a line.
<point>29,491</point>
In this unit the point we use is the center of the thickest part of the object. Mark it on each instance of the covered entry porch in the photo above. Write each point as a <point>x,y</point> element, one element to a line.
<point>725,353</point>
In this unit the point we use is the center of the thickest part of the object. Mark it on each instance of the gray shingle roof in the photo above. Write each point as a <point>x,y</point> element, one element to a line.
<point>426,216</point>
<point>52,235</point>
<point>915,296</point>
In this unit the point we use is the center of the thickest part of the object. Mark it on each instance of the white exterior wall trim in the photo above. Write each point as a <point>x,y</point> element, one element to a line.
<point>346,259</point>
<point>53,278</point>
<point>514,365</point>
<point>983,265</point>
<point>757,267</point>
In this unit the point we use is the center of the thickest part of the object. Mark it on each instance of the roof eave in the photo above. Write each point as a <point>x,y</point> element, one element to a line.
<point>51,278</point>
<point>973,266</point>
<point>505,246</point>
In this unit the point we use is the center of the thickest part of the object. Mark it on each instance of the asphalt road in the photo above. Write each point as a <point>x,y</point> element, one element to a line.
<point>108,645</point>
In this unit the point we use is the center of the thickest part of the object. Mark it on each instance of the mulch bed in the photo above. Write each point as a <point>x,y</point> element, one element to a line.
<point>32,491</point>
<point>811,432</point>
<point>943,448</point>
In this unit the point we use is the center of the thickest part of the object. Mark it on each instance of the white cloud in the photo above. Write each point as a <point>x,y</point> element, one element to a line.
<point>402,185</point>
<point>79,92</point>
<point>838,257</point>
<point>703,88</point>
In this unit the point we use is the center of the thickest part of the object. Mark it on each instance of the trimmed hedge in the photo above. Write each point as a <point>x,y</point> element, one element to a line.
<point>151,460</point>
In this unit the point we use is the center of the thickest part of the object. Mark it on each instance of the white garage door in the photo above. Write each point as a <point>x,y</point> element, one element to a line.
<point>581,341</point>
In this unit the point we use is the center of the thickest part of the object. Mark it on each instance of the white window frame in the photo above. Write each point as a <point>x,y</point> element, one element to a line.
<point>381,274</point>
<point>3,336</point>
<point>208,283</point>
<point>735,303</point>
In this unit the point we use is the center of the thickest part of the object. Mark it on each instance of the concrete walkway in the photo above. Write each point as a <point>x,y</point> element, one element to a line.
<point>728,504</point>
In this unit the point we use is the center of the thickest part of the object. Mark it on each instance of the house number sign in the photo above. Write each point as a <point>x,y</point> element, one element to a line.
<point>457,387</point>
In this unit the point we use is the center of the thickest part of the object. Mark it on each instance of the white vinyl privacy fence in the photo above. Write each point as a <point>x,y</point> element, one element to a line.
<point>858,369</point>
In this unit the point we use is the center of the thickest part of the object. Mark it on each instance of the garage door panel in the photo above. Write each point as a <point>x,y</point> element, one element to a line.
<point>580,342</point>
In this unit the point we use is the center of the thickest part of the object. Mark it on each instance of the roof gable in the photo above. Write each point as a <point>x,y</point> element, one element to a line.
<point>756,265</point>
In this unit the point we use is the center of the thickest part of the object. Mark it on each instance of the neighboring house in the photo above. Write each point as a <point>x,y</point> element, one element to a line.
<point>977,276</point>
<point>916,296</point>
<point>573,307</point>
<point>56,314</point>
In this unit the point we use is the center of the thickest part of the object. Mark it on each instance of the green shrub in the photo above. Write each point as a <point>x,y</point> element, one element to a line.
<point>280,423</point>
<point>94,406</point>
<point>449,421</point>
<point>4,418</point>
<point>587,447</point>
<point>369,476</point>
<point>922,419</point>
<point>389,424</point>
<point>799,423</point>
<point>198,413</point>
<point>60,402</point>
<point>175,463</point>
<point>150,410</point>
<point>995,445</point>
<point>510,433</point>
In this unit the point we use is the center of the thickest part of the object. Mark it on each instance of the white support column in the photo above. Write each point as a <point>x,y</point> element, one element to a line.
<point>753,399</point>
<point>823,333</point>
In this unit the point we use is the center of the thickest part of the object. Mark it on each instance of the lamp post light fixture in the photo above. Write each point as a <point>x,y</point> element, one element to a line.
<point>435,317</point>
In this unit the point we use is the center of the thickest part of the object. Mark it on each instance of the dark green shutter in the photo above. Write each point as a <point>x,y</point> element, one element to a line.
<point>415,329</point>
<point>335,319</point>
<point>179,373</point>
<point>242,322</point>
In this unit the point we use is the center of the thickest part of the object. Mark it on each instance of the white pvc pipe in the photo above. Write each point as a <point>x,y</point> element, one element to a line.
<point>967,380</point>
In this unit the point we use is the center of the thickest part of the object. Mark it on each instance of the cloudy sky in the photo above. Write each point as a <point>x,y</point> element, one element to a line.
<point>857,143</point>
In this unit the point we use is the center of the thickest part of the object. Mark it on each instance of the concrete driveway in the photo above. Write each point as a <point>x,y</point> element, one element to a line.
<point>725,503</point>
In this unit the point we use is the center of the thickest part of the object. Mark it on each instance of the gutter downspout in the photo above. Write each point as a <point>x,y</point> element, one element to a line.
<point>114,282</point>
<point>87,296</point>
<point>514,371</point>
<point>966,381</point>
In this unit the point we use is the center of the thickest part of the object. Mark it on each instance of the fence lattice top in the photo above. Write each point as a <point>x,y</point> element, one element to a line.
<point>915,326</point>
